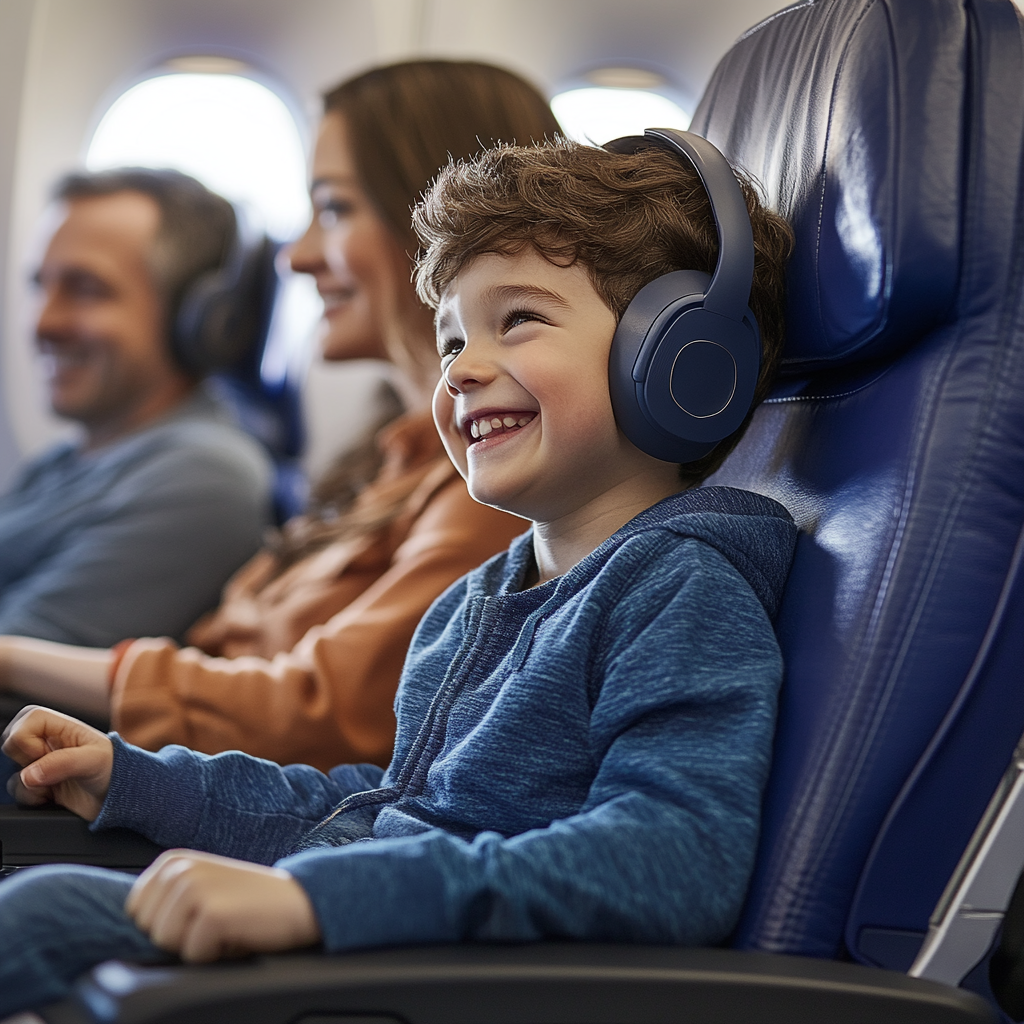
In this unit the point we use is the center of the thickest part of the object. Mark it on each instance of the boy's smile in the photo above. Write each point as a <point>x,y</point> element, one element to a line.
<point>523,405</point>
<point>484,427</point>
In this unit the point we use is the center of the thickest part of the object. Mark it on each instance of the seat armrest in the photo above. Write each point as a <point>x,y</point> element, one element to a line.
<point>546,983</point>
<point>49,835</point>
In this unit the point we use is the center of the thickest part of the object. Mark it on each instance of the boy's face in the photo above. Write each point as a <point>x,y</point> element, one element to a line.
<point>523,404</point>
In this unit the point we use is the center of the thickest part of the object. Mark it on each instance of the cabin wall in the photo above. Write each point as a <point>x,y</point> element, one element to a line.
<point>15,31</point>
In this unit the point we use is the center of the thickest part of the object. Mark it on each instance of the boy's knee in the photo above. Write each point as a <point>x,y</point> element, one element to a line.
<point>56,922</point>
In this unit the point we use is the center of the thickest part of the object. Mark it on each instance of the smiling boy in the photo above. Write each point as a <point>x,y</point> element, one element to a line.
<point>524,410</point>
<point>584,723</point>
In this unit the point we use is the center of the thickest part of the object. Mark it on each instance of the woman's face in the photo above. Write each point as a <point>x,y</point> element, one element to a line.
<point>360,269</point>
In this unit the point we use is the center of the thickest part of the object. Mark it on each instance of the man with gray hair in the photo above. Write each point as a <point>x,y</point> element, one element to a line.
<point>133,529</point>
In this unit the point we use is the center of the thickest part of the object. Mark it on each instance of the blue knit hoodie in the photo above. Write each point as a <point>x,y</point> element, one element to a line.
<point>583,759</point>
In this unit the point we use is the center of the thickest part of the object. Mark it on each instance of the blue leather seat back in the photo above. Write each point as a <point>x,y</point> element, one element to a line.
<point>890,133</point>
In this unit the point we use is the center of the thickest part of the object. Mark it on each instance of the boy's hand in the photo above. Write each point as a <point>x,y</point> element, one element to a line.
<point>62,760</point>
<point>203,907</point>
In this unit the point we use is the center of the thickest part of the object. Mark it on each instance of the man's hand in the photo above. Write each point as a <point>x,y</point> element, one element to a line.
<point>62,760</point>
<point>204,907</point>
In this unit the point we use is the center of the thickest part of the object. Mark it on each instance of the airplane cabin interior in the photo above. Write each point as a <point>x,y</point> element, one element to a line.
<point>888,880</point>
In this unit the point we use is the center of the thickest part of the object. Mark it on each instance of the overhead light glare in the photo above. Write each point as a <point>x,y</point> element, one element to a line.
<point>207,64</point>
<point>625,78</point>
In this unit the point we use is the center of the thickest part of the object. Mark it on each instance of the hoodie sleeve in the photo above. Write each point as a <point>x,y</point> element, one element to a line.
<point>662,849</point>
<point>231,803</point>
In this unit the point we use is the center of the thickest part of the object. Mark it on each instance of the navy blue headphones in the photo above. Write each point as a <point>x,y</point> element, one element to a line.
<point>225,312</point>
<point>687,352</point>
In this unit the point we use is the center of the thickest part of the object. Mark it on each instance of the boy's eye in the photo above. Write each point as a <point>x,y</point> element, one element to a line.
<point>516,317</point>
<point>449,348</point>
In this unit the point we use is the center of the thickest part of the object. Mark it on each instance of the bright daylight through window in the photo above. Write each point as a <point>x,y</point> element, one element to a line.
<point>230,132</point>
<point>240,140</point>
<point>616,102</point>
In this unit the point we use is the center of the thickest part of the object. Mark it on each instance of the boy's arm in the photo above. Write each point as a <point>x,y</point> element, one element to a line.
<point>229,804</point>
<point>663,848</point>
<point>204,907</point>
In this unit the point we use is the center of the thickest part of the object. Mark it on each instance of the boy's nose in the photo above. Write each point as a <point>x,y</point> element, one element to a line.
<point>466,372</point>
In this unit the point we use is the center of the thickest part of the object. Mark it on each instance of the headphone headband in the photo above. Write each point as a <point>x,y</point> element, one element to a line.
<point>729,291</point>
<point>686,354</point>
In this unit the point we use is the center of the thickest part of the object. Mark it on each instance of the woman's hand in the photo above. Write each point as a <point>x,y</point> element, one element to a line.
<point>204,907</point>
<point>62,760</point>
<point>52,673</point>
<point>5,663</point>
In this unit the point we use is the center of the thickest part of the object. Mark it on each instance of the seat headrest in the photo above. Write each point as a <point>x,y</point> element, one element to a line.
<point>850,114</point>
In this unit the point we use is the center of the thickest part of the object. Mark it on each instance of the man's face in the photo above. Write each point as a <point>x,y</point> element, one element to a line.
<point>101,327</point>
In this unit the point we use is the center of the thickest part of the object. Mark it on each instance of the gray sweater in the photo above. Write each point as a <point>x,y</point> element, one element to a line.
<point>136,538</point>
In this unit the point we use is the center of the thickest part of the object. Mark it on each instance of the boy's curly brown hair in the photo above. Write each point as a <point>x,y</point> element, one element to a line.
<point>626,218</point>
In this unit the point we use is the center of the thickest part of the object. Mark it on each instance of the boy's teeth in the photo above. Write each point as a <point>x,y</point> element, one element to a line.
<point>481,428</point>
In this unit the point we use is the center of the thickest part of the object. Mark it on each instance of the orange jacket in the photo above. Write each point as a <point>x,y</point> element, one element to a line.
<point>313,657</point>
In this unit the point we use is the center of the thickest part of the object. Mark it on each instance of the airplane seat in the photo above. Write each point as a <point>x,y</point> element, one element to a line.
<point>890,133</point>
<point>268,410</point>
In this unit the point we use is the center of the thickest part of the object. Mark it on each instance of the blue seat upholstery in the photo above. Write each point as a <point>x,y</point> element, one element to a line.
<point>890,133</point>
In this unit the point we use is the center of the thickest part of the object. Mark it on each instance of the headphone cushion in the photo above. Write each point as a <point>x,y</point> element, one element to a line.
<point>681,377</point>
<point>222,313</point>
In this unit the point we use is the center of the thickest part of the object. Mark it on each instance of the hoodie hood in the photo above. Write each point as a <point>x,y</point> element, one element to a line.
<point>756,534</point>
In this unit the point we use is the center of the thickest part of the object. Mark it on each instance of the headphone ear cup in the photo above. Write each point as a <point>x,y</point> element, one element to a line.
<point>681,377</point>
<point>687,353</point>
<point>224,312</point>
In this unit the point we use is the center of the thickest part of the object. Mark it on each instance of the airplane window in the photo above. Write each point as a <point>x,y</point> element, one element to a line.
<point>230,132</point>
<point>617,101</point>
<point>239,139</point>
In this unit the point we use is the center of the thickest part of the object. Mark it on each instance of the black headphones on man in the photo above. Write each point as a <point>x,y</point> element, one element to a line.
<point>686,354</point>
<point>225,312</point>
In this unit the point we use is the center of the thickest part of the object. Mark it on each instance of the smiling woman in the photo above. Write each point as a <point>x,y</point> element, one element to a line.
<point>359,264</point>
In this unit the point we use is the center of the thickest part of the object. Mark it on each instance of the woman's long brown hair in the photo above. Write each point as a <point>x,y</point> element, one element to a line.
<point>405,122</point>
